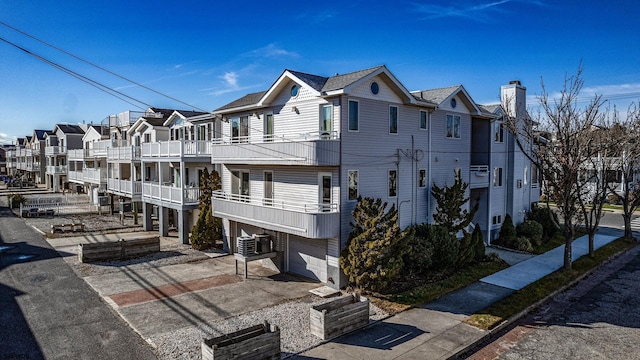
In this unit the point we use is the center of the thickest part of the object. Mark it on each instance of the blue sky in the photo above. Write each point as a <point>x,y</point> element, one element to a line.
<point>207,53</point>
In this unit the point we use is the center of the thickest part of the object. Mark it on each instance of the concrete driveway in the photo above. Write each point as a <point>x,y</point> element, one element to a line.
<point>180,287</point>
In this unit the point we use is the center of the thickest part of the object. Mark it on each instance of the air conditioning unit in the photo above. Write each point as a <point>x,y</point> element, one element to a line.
<point>263,243</point>
<point>246,245</point>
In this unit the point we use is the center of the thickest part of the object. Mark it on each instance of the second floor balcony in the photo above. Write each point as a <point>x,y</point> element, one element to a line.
<point>57,170</point>
<point>94,176</point>
<point>315,149</point>
<point>167,193</point>
<point>126,153</point>
<point>75,175</point>
<point>76,154</point>
<point>55,150</point>
<point>125,187</point>
<point>177,149</point>
<point>315,221</point>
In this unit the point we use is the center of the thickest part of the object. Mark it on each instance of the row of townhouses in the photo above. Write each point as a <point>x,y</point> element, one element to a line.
<point>294,159</point>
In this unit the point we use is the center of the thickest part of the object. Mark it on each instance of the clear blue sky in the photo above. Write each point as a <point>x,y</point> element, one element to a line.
<point>207,53</point>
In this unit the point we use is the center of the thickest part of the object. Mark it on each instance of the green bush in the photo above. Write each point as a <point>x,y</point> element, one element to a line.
<point>547,218</point>
<point>523,244</point>
<point>507,233</point>
<point>532,230</point>
<point>16,199</point>
<point>445,247</point>
<point>478,243</point>
<point>419,258</point>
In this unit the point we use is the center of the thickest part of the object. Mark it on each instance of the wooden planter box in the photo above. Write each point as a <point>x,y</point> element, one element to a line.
<point>344,314</point>
<point>256,342</point>
<point>122,249</point>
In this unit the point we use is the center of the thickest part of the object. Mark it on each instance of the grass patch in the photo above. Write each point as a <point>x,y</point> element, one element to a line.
<point>555,241</point>
<point>500,311</point>
<point>457,280</point>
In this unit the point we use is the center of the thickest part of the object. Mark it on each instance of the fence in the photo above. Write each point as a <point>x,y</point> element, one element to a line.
<point>56,206</point>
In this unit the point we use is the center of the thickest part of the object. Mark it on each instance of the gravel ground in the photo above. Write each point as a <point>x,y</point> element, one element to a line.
<point>291,317</point>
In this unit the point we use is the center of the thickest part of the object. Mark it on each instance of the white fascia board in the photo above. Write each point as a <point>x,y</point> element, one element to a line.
<point>278,85</point>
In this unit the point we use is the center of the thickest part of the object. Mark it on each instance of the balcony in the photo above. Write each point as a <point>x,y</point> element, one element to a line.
<point>315,221</point>
<point>57,170</point>
<point>126,153</point>
<point>478,176</point>
<point>154,192</point>
<point>177,149</point>
<point>315,149</point>
<point>94,176</point>
<point>76,154</point>
<point>124,187</point>
<point>55,150</point>
<point>98,148</point>
<point>75,175</point>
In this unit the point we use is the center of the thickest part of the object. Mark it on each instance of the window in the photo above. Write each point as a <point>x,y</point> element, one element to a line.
<point>499,132</point>
<point>240,129</point>
<point>294,90</point>
<point>496,220</point>
<point>326,119</point>
<point>422,178</point>
<point>423,120</point>
<point>352,179</point>
<point>353,115</point>
<point>453,126</point>
<point>393,183</point>
<point>268,127</point>
<point>457,173</point>
<point>375,88</point>
<point>526,175</point>
<point>393,119</point>
<point>147,138</point>
<point>325,192</point>
<point>497,176</point>
<point>534,174</point>
<point>268,188</point>
<point>240,184</point>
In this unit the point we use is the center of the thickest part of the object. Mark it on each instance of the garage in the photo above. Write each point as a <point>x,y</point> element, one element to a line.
<point>307,257</point>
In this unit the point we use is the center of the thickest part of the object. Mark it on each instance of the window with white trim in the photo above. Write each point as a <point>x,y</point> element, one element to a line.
<point>423,120</point>
<point>496,220</point>
<point>393,183</point>
<point>353,115</point>
<point>352,180</point>
<point>393,119</point>
<point>453,126</point>
<point>497,176</point>
<point>498,129</point>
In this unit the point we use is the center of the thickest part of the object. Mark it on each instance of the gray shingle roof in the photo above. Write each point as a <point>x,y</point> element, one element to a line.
<point>315,81</point>
<point>246,100</point>
<point>341,81</point>
<point>436,96</point>
<point>491,109</point>
<point>70,129</point>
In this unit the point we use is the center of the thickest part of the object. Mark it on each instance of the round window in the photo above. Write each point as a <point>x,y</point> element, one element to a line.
<point>453,103</point>
<point>375,88</point>
<point>294,90</point>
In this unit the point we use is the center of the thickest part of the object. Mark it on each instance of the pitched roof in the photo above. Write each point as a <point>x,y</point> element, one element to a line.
<point>340,81</point>
<point>40,134</point>
<point>246,100</point>
<point>489,108</point>
<point>315,81</point>
<point>436,96</point>
<point>70,129</point>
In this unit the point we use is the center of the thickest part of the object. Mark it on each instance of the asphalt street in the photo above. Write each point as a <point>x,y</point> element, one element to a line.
<point>49,312</point>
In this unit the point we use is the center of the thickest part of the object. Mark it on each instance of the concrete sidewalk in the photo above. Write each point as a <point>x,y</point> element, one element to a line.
<point>437,329</point>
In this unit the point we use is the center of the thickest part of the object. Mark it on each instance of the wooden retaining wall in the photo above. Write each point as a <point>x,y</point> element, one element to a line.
<point>114,250</point>
<point>344,314</point>
<point>253,343</point>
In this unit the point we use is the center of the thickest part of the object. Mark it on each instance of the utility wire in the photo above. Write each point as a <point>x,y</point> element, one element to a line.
<point>80,77</point>
<point>100,67</point>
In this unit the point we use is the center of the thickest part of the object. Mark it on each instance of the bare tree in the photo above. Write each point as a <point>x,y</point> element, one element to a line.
<point>627,140</point>
<point>560,147</point>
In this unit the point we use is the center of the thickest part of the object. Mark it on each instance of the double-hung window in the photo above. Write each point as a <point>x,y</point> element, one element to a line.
<point>453,126</point>
<point>393,183</point>
<point>497,176</point>
<point>352,179</point>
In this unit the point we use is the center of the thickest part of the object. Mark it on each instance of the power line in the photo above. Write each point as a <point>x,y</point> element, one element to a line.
<point>78,76</point>
<point>101,68</point>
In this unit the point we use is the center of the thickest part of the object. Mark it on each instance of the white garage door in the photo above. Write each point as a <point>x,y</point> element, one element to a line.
<point>307,257</point>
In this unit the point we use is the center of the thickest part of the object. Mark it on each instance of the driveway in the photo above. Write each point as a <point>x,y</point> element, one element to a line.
<point>180,288</point>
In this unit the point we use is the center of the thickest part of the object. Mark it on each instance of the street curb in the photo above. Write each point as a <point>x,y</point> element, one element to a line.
<point>528,309</point>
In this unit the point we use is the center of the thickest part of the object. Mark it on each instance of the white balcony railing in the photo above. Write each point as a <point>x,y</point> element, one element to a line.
<point>478,176</point>
<point>177,148</point>
<point>76,154</point>
<point>95,175</point>
<point>125,187</point>
<point>75,175</point>
<point>123,153</point>
<point>316,221</point>
<point>171,194</point>
<point>311,148</point>
<point>60,169</point>
<point>98,148</point>
<point>55,150</point>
